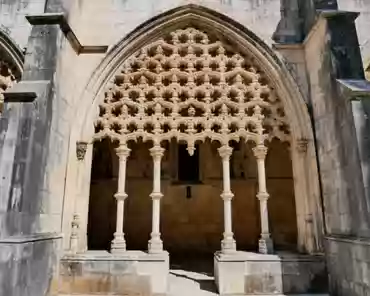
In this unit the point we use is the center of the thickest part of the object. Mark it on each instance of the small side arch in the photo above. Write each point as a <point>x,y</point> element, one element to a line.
<point>11,53</point>
<point>307,193</point>
<point>11,63</point>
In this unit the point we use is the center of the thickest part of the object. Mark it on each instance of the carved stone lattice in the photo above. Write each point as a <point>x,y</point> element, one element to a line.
<point>7,79</point>
<point>190,86</point>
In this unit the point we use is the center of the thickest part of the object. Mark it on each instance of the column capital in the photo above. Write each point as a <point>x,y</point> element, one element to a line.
<point>123,151</point>
<point>120,196</point>
<point>225,152</point>
<point>260,151</point>
<point>157,152</point>
<point>227,195</point>
<point>263,196</point>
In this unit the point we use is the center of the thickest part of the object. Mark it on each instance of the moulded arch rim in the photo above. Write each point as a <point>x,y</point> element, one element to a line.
<point>12,51</point>
<point>269,62</point>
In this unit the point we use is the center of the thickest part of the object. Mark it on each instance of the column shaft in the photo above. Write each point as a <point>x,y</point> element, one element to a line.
<point>265,244</point>
<point>119,243</point>
<point>228,244</point>
<point>155,244</point>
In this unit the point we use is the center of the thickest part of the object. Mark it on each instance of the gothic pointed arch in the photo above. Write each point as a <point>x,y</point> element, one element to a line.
<point>189,72</point>
<point>11,64</point>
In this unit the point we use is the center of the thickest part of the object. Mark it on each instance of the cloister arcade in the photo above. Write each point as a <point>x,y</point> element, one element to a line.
<point>189,87</point>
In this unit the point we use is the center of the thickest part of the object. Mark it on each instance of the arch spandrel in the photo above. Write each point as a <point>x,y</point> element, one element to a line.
<point>209,21</point>
<point>190,85</point>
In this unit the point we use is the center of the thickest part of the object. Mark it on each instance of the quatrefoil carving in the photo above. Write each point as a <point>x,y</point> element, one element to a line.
<point>190,86</point>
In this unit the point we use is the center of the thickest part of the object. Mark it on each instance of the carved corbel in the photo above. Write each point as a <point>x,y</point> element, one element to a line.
<point>81,148</point>
<point>302,145</point>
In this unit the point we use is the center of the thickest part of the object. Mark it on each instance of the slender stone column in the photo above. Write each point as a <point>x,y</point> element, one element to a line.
<point>228,244</point>
<point>265,245</point>
<point>119,243</point>
<point>155,243</point>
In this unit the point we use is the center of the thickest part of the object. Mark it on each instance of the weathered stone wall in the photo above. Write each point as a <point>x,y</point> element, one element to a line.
<point>109,21</point>
<point>348,266</point>
<point>341,128</point>
<point>30,148</point>
<point>13,21</point>
<point>343,190</point>
<point>362,24</point>
<point>28,265</point>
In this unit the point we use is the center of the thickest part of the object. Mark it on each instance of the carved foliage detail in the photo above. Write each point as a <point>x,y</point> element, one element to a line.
<point>190,86</point>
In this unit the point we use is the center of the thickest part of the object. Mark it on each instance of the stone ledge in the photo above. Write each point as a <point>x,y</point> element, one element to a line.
<point>278,257</point>
<point>330,13</point>
<point>124,256</point>
<point>354,88</point>
<point>23,239</point>
<point>349,240</point>
<point>26,91</point>
<point>60,19</point>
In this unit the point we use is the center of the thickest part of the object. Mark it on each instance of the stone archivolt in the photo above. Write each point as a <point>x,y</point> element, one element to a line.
<point>190,86</point>
<point>7,79</point>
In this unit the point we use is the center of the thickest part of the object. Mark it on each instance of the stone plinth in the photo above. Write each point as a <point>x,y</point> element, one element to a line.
<point>246,273</point>
<point>129,273</point>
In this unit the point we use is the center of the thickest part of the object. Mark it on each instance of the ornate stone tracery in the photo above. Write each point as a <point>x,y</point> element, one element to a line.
<point>190,86</point>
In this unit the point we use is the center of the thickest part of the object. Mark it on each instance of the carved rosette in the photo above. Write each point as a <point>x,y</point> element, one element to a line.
<point>191,86</point>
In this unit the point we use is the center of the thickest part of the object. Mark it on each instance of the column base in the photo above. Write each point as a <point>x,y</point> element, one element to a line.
<point>118,246</point>
<point>228,246</point>
<point>265,246</point>
<point>155,246</point>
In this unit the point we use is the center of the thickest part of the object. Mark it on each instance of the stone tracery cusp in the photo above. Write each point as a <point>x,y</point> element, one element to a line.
<point>190,86</point>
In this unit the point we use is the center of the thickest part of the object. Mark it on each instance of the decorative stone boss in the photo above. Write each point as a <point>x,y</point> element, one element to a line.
<point>191,86</point>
